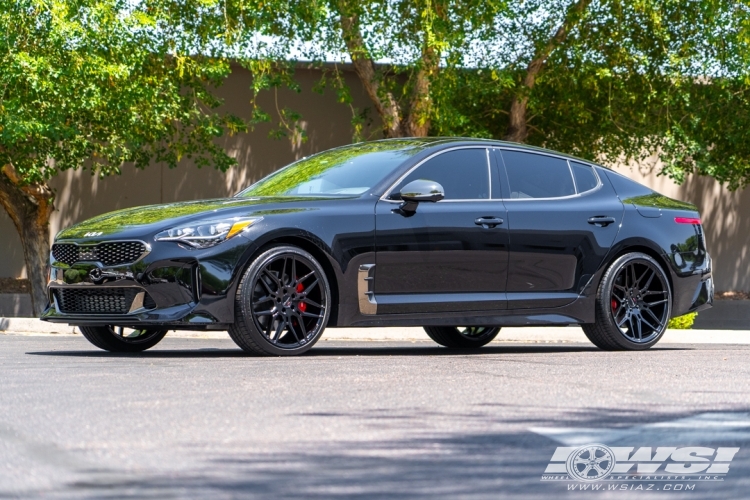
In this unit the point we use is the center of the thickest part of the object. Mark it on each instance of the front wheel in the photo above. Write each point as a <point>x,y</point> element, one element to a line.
<point>282,303</point>
<point>120,339</point>
<point>633,305</point>
<point>462,337</point>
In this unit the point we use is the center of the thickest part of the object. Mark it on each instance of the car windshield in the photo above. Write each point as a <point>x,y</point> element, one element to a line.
<point>345,171</point>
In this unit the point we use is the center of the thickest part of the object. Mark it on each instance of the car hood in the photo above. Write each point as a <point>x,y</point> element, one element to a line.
<point>143,221</point>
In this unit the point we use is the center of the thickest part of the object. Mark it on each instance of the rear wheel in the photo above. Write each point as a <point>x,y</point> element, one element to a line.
<point>282,303</point>
<point>633,305</point>
<point>121,339</point>
<point>462,337</point>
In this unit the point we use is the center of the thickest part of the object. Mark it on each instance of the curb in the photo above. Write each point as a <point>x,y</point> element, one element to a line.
<point>536,335</point>
<point>35,326</point>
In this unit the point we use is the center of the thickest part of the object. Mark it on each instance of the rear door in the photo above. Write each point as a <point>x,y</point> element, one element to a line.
<point>562,220</point>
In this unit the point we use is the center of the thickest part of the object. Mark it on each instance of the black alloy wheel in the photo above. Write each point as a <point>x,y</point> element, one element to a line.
<point>633,305</point>
<point>122,339</point>
<point>462,337</point>
<point>282,304</point>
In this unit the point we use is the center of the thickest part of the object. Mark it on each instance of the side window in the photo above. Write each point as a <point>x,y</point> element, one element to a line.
<point>537,176</point>
<point>463,173</point>
<point>584,175</point>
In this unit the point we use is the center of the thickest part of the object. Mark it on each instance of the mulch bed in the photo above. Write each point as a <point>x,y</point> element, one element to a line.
<point>733,295</point>
<point>13,285</point>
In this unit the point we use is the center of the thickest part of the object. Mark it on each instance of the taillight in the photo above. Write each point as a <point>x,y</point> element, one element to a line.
<point>687,220</point>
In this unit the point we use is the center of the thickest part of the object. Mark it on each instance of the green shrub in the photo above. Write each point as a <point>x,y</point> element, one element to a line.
<point>684,322</point>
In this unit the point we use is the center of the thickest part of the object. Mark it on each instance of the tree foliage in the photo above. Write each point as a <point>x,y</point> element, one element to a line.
<point>631,79</point>
<point>611,80</point>
<point>96,84</point>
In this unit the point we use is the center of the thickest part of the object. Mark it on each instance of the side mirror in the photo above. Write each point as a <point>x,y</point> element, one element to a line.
<point>420,190</point>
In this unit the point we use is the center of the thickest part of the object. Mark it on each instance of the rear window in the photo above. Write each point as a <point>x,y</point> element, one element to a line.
<point>533,175</point>
<point>584,176</point>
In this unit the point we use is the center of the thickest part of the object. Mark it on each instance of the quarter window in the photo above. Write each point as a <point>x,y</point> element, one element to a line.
<point>537,176</point>
<point>463,173</point>
<point>584,175</point>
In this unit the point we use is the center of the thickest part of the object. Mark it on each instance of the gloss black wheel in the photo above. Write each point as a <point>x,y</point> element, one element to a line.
<point>121,339</point>
<point>633,304</point>
<point>462,337</point>
<point>282,304</point>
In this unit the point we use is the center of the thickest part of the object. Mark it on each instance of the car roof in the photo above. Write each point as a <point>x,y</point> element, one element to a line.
<point>441,142</point>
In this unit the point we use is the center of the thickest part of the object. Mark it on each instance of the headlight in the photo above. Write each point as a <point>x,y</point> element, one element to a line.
<point>206,234</point>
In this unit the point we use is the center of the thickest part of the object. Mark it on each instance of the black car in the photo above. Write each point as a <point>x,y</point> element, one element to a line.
<point>460,236</point>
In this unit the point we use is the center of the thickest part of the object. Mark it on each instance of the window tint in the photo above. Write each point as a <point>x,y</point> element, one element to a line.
<point>537,176</point>
<point>627,188</point>
<point>584,175</point>
<point>463,173</point>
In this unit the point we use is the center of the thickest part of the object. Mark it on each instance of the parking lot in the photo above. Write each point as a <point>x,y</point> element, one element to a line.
<point>198,418</point>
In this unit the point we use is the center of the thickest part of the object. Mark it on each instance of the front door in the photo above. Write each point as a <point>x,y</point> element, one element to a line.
<point>562,220</point>
<point>451,255</point>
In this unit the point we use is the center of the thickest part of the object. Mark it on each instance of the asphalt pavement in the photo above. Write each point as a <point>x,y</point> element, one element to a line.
<point>197,418</point>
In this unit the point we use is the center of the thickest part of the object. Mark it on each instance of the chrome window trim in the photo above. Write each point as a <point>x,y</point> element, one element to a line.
<point>572,176</point>
<point>424,160</point>
<point>101,264</point>
<point>570,168</point>
<point>599,182</point>
<point>474,200</point>
<point>489,170</point>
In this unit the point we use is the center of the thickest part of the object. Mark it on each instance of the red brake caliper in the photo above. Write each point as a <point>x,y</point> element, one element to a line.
<point>614,305</point>
<point>302,306</point>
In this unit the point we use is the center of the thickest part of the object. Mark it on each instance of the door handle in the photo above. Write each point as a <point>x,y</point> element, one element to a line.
<point>488,222</point>
<point>601,220</point>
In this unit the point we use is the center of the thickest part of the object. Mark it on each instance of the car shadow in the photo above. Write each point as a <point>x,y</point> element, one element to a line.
<point>349,351</point>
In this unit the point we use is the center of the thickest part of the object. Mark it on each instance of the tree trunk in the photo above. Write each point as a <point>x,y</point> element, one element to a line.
<point>385,104</point>
<point>517,122</point>
<point>30,207</point>
<point>418,122</point>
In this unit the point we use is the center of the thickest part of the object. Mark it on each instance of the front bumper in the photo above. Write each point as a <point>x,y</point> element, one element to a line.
<point>170,286</point>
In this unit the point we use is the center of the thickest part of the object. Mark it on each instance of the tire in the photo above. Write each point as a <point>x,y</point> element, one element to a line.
<point>282,304</point>
<point>108,338</point>
<point>633,305</point>
<point>462,337</point>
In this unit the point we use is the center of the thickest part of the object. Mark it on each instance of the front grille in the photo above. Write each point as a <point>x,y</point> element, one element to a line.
<point>110,254</point>
<point>65,252</point>
<point>98,301</point>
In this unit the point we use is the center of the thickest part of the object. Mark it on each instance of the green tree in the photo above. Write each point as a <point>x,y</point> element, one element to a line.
<point>611,80</point>
<point>96,85</point>
<point>398,49</point>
